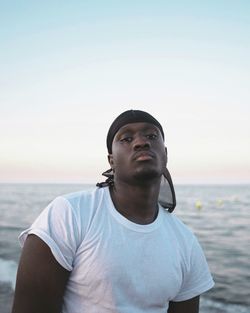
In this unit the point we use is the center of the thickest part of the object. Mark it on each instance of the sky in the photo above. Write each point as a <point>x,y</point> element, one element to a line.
<point>68,68</point>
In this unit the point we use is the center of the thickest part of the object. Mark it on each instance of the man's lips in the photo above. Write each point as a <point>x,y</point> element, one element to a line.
<point>143,156</point>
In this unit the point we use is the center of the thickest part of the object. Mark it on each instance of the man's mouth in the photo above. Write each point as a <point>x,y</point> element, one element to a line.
<point>143,156</point>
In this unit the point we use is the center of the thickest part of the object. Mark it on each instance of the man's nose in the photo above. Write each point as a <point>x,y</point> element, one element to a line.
<point>141,142</point>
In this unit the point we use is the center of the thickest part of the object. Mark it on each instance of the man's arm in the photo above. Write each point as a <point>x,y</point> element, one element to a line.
<point>41,280</point>
<point>188,306</point>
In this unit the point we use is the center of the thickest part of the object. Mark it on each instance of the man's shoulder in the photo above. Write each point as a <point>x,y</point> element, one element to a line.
<point>82,195</point>
<point>83,200</point>
<point>80,207</point>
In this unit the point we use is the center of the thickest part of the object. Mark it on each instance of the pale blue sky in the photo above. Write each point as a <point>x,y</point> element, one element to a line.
<point>69,68</point>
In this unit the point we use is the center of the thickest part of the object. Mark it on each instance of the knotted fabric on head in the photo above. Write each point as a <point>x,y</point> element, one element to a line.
<point>167,194</point>
<point>128,117</point>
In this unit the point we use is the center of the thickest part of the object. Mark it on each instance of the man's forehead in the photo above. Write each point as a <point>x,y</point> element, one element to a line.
<point>137,126</point>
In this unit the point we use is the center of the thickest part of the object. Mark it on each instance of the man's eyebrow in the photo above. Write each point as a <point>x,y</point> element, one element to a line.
<point>121,132</point>
<point>151,128</point>
<point>124,129</point>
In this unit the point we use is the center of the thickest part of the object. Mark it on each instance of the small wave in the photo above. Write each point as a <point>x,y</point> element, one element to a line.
<point>8,270</point>
<point>11,228</point>
<point>213,306</point>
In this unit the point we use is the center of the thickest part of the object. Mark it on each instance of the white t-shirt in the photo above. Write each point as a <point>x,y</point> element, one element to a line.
<point>118,266</point>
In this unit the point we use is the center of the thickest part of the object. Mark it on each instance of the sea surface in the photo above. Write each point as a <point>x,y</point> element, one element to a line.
<point>218,215</point>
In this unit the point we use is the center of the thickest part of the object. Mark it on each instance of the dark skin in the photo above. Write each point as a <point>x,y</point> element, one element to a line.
<point>41,280</point>
<point>138,159</point>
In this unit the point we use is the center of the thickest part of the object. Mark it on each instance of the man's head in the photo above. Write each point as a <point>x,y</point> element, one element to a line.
<point>128,117</point>
<point>135,143</point>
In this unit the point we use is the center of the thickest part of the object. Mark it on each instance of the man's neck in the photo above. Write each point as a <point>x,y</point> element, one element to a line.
<point>139,204</point>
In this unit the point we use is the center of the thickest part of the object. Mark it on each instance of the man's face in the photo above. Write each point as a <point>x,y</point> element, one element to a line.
<point>138,153</point>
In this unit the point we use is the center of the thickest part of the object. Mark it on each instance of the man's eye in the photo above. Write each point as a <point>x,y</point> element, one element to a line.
<point>152,136</point>
<point>126,139</point>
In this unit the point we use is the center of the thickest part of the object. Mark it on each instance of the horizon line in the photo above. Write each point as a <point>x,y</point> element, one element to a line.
<point>93,184</point>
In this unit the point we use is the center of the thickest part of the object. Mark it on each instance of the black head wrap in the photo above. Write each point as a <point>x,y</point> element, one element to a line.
<point>128,117</point>
<point>167,193</point>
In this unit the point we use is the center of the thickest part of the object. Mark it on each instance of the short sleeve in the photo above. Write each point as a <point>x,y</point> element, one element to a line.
<point>197,277</point>
<point>57,227</point>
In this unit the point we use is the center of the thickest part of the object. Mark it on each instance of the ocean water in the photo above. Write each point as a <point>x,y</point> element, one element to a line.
<point>218,215</point>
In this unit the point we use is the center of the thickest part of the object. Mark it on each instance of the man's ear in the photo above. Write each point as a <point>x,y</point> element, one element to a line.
<point>110,159</point>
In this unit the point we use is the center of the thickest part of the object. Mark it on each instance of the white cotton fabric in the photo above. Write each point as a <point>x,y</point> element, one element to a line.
<point>118,266</point>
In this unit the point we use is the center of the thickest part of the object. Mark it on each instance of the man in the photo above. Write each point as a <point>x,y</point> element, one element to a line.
<point>115,249</point>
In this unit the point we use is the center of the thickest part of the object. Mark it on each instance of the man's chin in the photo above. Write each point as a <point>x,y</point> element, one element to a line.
<point>146,175</point>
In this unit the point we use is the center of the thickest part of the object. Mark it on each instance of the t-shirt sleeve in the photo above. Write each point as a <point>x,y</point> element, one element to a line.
<point>57,227</point>
<point>197,278</point>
